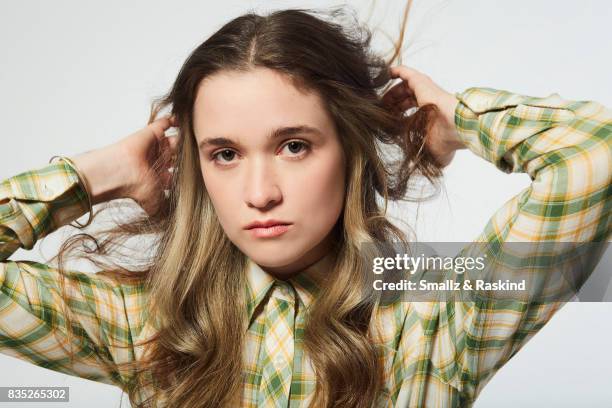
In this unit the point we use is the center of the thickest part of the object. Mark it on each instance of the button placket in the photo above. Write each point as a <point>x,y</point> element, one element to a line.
<point>279,346</point>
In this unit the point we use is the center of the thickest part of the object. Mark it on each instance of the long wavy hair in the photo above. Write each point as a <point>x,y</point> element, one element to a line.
<point>195,276</point>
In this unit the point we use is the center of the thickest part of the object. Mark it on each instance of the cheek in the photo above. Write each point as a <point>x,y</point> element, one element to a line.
<point>320,192</point>
<point>222,195</point>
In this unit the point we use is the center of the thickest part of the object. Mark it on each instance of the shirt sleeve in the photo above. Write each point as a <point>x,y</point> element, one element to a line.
<point>32,309</point>
<point>565,148</point>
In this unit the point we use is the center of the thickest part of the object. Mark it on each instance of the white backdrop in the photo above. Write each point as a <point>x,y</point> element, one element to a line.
<point>79,75</point>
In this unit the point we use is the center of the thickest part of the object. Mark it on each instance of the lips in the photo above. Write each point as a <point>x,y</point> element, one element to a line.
<point>266,224</point>
<point>273,231</point>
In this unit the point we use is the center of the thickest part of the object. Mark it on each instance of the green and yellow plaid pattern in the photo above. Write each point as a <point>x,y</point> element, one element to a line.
<point>436,354</point>
<point>278,347</point>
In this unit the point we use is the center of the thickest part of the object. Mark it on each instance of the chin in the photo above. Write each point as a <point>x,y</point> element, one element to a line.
<point>272,256</point>
<point>273,260</point>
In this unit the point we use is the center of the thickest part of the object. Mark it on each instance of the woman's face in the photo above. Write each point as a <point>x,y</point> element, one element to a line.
<point>270,152</point>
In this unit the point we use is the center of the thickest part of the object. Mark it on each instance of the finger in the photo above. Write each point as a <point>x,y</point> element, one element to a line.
<point>407,104</point>
<point>168,147</point>
<point>401,96</point>
<point>409,75</point>
<point>396,93</point>
<point>404,72</point>
<point>164,121</point>
<point>172,119</point>
<point>160,125</point>
<point>166,178</point>
<point>172,141</point>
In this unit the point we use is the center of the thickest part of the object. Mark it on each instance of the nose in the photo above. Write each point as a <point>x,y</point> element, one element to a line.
<point>262,190</point>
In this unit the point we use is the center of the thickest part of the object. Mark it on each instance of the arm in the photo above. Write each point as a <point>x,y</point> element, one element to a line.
<point>566,149</point>
<point>32,321</point>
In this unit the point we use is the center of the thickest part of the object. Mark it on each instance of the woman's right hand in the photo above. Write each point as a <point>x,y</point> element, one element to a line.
<point>142,150</point>
<point>125,169</point>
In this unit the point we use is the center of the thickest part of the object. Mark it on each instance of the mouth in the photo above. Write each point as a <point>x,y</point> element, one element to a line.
<point>268,229</point>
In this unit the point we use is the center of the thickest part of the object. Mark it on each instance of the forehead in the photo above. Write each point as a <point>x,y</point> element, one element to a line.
<point>258,99</point>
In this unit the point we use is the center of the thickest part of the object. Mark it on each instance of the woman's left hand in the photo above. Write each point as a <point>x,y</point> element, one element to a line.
<point>417,89</point>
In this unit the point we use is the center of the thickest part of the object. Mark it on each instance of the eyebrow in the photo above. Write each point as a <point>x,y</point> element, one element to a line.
<point>277,133</point>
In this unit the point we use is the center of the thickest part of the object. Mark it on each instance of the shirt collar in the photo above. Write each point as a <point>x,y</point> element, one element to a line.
<point>307,283</point>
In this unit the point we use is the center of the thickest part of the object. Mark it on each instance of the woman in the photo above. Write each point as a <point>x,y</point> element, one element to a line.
<point>255,294</point>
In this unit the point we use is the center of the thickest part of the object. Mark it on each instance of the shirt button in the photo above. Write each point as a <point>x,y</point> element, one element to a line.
<point>280,360</point>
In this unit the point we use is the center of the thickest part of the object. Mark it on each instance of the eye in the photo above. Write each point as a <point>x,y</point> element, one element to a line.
<point>298,145</point>
<point>226,154</point>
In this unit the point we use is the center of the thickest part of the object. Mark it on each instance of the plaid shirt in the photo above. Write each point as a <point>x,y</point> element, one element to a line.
<point>437,354</point>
